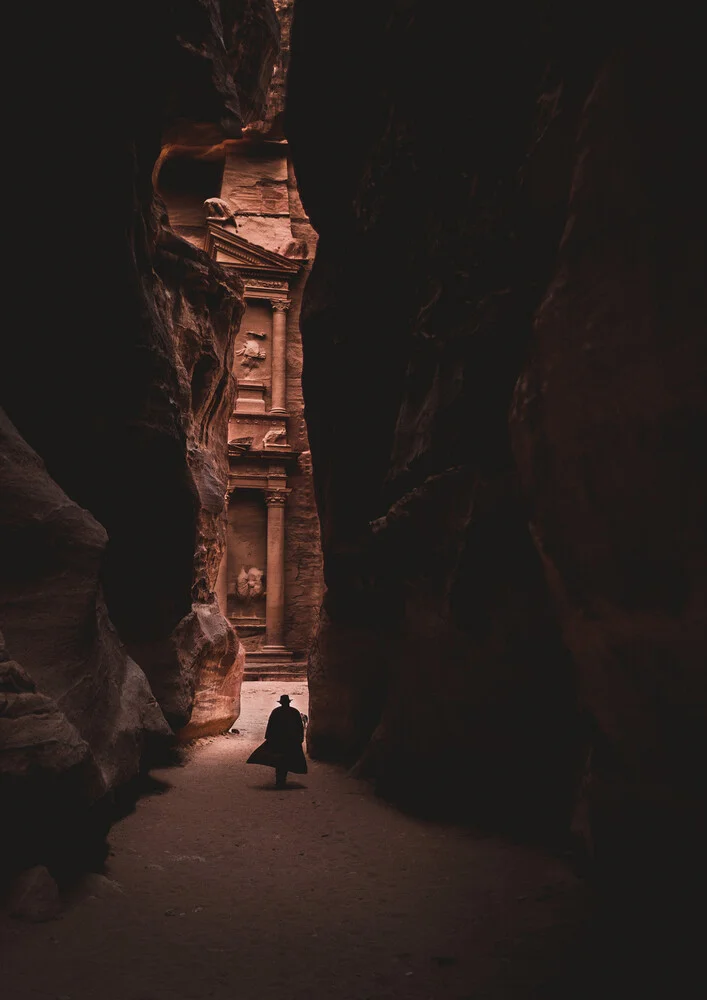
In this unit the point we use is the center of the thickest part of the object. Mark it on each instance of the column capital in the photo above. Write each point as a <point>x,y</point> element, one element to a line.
<point>280,305</point>
<point>276,498</point>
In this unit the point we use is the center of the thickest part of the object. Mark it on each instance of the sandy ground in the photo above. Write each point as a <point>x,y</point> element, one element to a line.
<point>219,886</point>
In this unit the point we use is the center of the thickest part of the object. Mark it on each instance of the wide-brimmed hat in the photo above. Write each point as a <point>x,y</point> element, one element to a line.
<point>284,699</point>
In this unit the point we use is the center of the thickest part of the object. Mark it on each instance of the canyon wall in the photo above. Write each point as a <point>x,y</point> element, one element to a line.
<point>504,386</point>
<point>609,422</point>
<point>117,391</point>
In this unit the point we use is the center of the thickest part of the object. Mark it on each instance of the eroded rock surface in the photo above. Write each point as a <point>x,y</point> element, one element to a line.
<point>78,713</point>
<point>438,628</point>
<point>270,125</point>
<point>46,770</point>
<point>197,672</point>
<point>55,619</point>
<point>609,424</point>
<point>197,308</point>
<point>508,181</point>
<point>123,388</point>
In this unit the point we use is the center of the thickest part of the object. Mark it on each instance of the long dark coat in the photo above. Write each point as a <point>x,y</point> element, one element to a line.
<point>283,742</point>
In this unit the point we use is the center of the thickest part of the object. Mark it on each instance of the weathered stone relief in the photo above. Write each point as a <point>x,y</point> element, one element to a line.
<point>277,435</point>
<point>217,209</point>
<point>266,283</point>
<point>249,584</point>
<point>252,352</point>
<point>297,249</point>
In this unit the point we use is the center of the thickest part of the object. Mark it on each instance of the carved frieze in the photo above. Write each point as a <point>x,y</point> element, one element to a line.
<point>277,286</point>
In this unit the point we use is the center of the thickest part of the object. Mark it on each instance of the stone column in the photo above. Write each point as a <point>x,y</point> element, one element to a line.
<point>279,356</point>
<point>275,592</point>
<point>222,578</point>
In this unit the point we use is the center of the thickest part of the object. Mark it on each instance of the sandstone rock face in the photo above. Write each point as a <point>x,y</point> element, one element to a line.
<point>46,769</point>
<point>58,754</point>
<point>220,55</point>
<point>609,424</point>
<point>111,538</point>
<point>54,615</point>
<point>270,125</point>
<point>499,613</point>
<point>437,627</point>
<point>252,35</point>
<point>197,673</point>
<point>198,309</point>
<point>36,735</point>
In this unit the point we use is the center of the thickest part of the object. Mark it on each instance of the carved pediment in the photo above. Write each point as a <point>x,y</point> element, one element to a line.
<point>246,257</point>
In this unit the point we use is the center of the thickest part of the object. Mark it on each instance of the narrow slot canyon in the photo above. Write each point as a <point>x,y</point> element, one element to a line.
<point>362,361</point>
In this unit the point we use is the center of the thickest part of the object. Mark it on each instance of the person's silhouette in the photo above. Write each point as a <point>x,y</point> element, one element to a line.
<point>282,748</point>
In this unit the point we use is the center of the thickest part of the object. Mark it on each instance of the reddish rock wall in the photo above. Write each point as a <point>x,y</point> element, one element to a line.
<point>270,125</point>
<point>437,627</point>
<point>120,382</point>
<point>198,309</point>
<point>609,424</point>
<point>488,166</point>
<point>76,725</point>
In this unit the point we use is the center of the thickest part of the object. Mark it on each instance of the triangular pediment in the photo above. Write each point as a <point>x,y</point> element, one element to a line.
<point>231,249</point>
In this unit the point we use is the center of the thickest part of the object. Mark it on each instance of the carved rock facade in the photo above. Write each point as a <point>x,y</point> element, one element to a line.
<point>239,201</point>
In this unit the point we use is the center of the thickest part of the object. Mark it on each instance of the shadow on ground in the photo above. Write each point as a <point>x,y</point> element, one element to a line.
<point>292,786</point>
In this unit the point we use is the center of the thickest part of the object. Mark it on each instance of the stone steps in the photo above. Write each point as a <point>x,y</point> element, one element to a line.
<point>259,671</point>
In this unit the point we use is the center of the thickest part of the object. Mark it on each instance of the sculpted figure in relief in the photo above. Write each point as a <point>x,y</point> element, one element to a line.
<point>218,209</point>
<point>252,353</point>
<point>276,435</point>
<point>249,584</point>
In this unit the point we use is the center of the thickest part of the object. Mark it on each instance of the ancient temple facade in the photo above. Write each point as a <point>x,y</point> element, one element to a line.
<point>240,203</point>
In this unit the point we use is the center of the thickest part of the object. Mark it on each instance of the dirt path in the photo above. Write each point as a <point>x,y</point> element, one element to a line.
<point>225,888</point>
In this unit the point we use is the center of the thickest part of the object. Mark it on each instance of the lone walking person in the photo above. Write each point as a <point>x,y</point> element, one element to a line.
<point>282,748</point>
